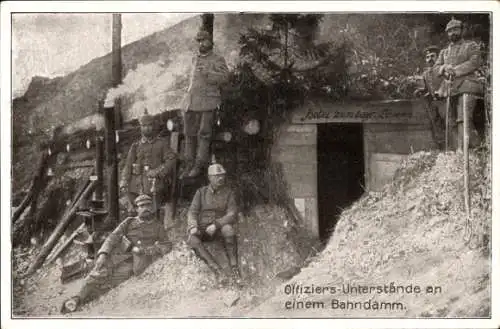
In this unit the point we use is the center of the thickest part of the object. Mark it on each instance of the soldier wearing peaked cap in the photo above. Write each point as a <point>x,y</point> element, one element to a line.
<point>432,81</point>
<point>213,214</point>
<point>458,64</point>
<point>128,250</point>
<point>208,73</point>
<point>149,162</point>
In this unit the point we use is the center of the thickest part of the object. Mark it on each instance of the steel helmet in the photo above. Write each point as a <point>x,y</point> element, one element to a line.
<point>453,23</point>
<point>143,200</point>
<point>216,169</point>
<point>146,119</point>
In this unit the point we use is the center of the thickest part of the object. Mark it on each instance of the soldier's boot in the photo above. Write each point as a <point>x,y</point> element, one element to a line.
<point>70,305</point>
<point>88,290</point>
<point>189,155</point>
<point>212,264</point>
<point>201,157</point>
<point>231,247</point>
<point>168,216</point>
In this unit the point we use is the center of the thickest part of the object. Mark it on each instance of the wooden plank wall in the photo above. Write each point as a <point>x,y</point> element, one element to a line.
<point>386,146</point>
<point>296,149</point>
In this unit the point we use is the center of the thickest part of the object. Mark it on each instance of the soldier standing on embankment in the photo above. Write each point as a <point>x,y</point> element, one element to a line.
<point>458,63</point>
<point>128,250</point>
<point>432,82</point>
<point>149,162</point>
<point>209,71</point>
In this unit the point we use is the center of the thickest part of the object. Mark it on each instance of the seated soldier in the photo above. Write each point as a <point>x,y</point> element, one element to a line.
<point>128,250</point>
<point>213,213</point>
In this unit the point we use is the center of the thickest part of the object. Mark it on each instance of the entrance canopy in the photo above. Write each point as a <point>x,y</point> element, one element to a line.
<point>391,111</point>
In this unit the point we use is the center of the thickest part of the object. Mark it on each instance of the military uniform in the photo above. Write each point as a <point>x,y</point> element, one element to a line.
<point>436,105</point>
<point>208,73</point>
<point>211,206</point>
<point>432,79</point>
<point>130,248</point>
<point>149,162</point>
<point>217,207</point>
<point>463,58</point>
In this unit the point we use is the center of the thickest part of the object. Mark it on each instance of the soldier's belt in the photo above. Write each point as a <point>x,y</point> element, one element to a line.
<point>137,169</point>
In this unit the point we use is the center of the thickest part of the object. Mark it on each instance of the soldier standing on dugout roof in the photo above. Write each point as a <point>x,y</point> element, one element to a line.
<point>209,71</point>
<point>432,82</point>
<point>458,63</point>
<point>128,250</point>
<point>213,214</point>
<point>149,162</point>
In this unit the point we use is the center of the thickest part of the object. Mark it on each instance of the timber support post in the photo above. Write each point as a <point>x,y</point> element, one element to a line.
<point>99,167</point>
<point>207,24</point>
<point>111,165</point>
<point>111,125</point>
<point>116,61</point>
<point>466,154</point>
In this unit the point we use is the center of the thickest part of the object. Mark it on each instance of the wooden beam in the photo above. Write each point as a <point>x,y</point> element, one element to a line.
<point>111,167</point>
<point>65,245</point>
<point>58,231</point>
<point>116,63</point>
<point>207,24</point>
<point>36,185</point>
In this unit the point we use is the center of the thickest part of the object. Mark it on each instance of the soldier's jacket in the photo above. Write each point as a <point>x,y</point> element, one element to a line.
<point>209,206</point>
<point>432,80</point>
<point>143,234</point>
<point>154,155</point>
<point>208,73</point>
<point>465,58</point>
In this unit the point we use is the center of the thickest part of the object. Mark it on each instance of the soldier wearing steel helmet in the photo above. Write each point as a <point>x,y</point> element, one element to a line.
<point>208,73</point>
<point>458,63</point>
<point>149,162</point>
<point>128,250</point>
<point>213,214</point>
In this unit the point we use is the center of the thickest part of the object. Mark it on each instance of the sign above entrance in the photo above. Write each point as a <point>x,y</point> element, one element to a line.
<point>393,111</point>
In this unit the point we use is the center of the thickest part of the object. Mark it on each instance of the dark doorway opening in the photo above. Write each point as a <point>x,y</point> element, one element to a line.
<point>341,172</point>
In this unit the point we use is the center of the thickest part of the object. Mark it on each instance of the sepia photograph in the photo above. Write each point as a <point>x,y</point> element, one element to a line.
<point>315,164</point>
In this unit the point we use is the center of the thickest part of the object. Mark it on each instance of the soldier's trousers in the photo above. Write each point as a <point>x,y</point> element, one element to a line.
<point>99,282</point>
<point>460,106</point>
<point>198,127</point>
<point>226,233</point>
